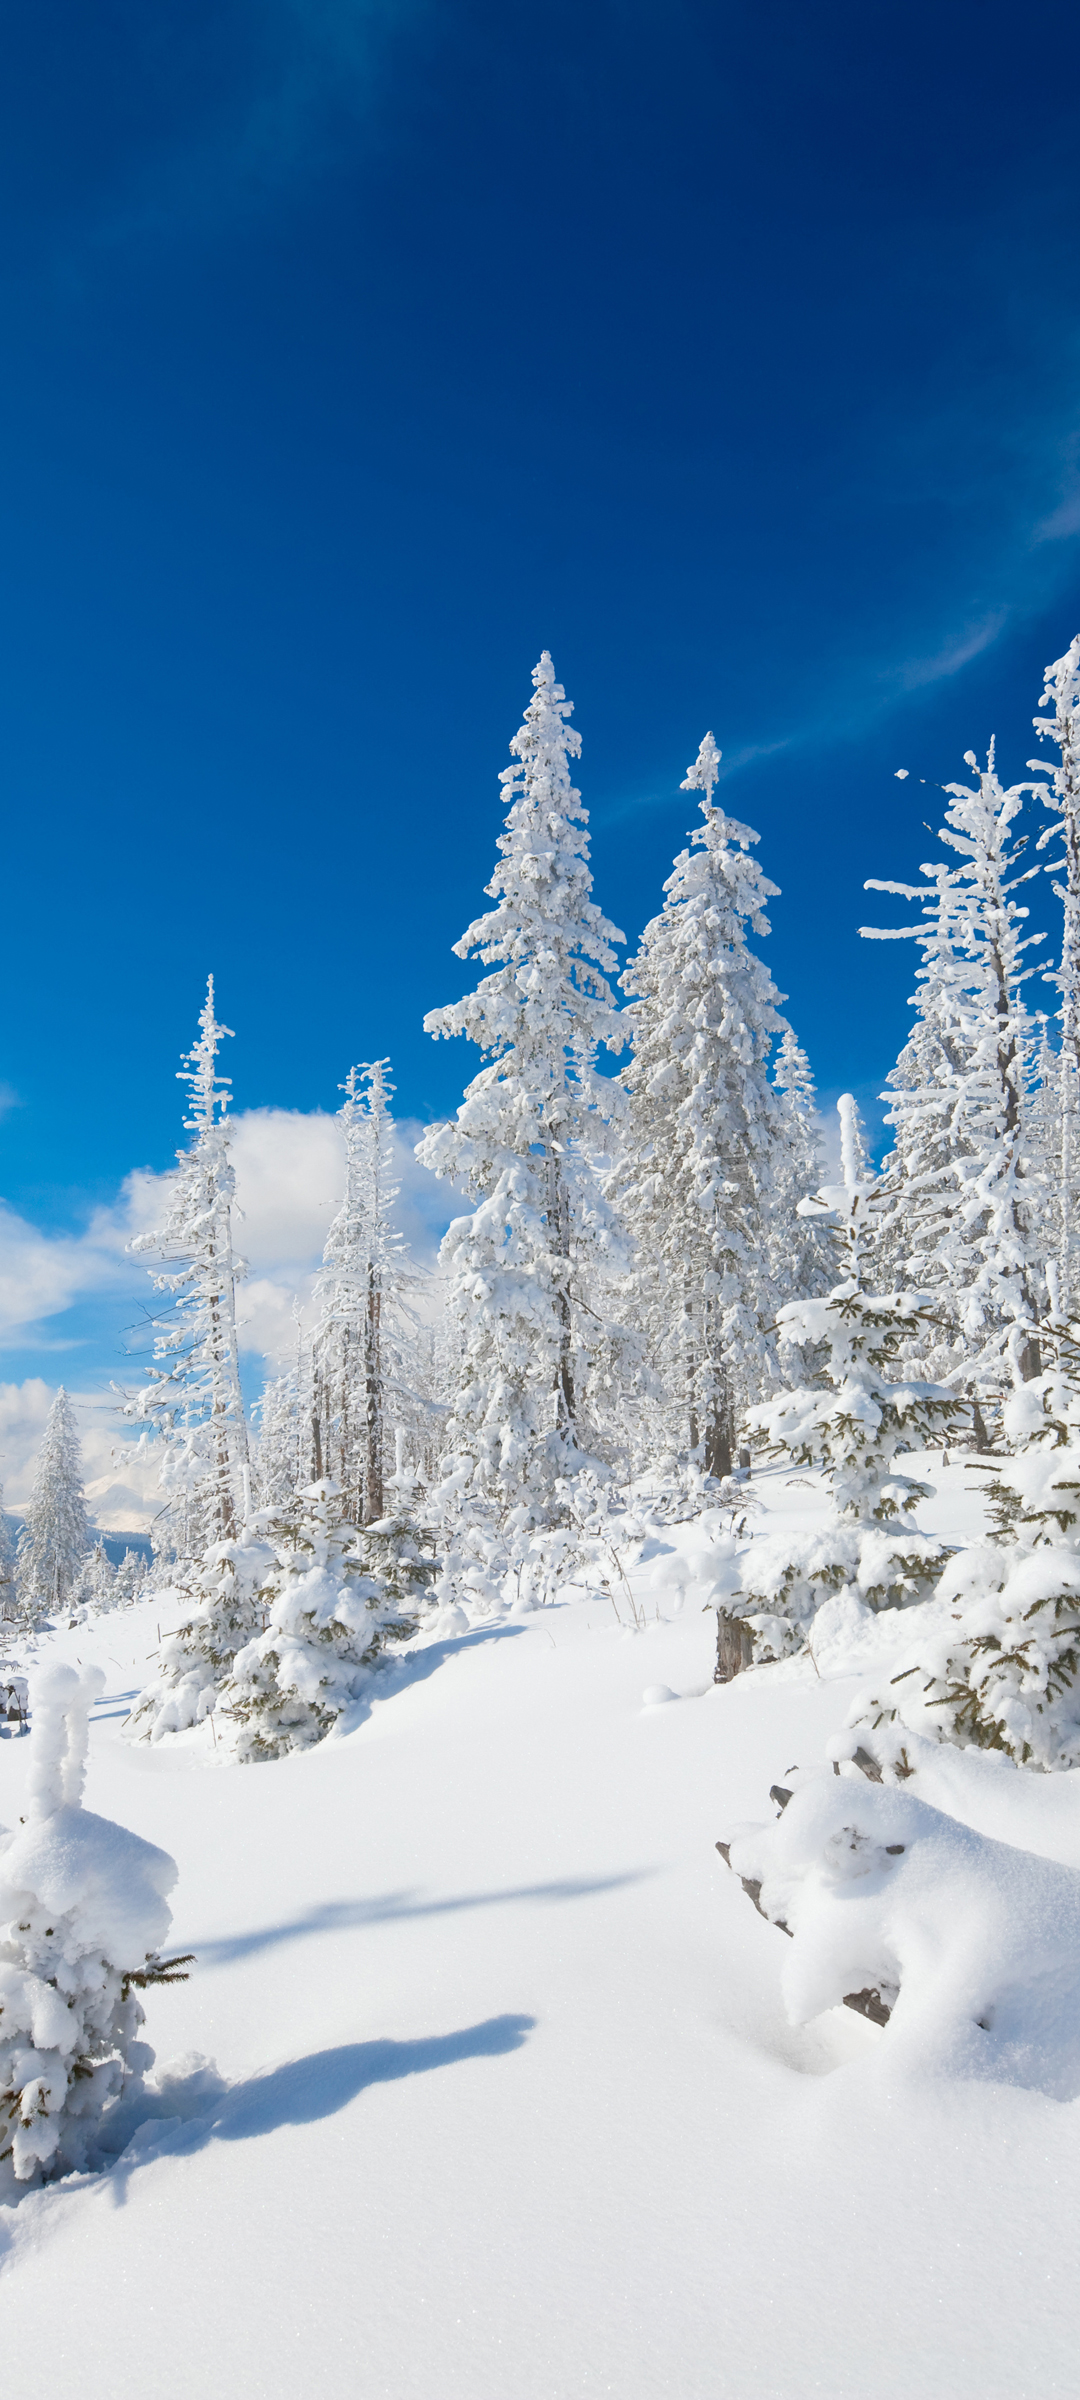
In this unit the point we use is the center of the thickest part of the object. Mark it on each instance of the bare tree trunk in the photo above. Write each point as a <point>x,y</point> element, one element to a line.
<point>373,1422</point>
<point>734,1647</point>
<point>559,1235</point>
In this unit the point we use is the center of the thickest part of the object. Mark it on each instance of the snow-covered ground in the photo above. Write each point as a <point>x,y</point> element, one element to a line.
<point>508,2101</point>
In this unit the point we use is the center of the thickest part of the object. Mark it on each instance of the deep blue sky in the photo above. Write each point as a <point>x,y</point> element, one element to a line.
<point>354,353</point>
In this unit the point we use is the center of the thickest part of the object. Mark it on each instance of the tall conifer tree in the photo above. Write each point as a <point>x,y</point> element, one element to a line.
<point>55,1539</point>
<point>195,1403</point>
<point>696,1176</point>
<point>1061,694</point>
<point>967,1206</point>
<point>526,1268</point>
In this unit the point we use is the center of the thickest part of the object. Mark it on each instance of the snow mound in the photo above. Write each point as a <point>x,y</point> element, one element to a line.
<point>973,1946</point>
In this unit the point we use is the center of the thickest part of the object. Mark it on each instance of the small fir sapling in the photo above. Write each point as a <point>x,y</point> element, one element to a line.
<point>996,1662</point>
<point>332,1600</point>
<point>83,1915</point>
<point>854,1427</point>
<point>55,1540</point>
<point>222,1596</point>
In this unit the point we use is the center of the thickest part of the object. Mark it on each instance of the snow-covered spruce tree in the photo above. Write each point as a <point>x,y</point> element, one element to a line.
<point>129,1580</point>
<point>541,1366</point>
<point>697,1172</point>
<point>83,1914</point>
<point>801,1260</point>
<point>96,1585</point>
<point>9,1595</point>
<point>965,1221</point>
<point>194,1404</point>
<point>220,1600</point>
<point>853,1428</point>
<point>996,1664</point>
<point>55,1539</point>
<point>333,1598</point>
<point>360,1352</point>
<point>1060,1080</point>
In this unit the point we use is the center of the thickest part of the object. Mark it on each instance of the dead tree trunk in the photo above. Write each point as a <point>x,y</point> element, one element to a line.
<point>734,1647</point>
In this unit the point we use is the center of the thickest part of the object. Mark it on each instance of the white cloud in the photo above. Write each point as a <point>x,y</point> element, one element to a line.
<point>953,654</point>
<point>1061,523</point>
<point>290,1171</point>
<point>120,1496</point>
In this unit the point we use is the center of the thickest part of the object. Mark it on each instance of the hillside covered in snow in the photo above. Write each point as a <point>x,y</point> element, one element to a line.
<point>488,2078</point>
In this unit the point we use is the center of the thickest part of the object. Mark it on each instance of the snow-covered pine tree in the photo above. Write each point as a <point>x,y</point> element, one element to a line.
<point>853,1425</point>
<point>55,1538</point>
<point>222,1595</point>
<point>129,1580</point>
<point>83,1913</point>
<point>800,1253</point>
<point>697,1176</point>
<point>1061,694</point>
<point>96,1584</point>
<point>965,1217</point>
<point>541,1377</point>
<point>9,1597</point>
<point>282,1438</point>
<point>195,1405</point>
<point>363,1334</point>
<point>333,1598</point>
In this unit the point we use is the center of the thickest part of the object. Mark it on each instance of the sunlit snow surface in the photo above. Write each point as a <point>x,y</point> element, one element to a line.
<point>507,2100</point>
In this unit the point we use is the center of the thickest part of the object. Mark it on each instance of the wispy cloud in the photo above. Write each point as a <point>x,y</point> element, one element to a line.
<point>953,654</point>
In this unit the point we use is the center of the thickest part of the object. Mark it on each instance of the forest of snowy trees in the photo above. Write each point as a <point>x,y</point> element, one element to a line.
<point>650,1277</point>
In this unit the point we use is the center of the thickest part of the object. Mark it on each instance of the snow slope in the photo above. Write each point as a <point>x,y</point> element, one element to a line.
<point>510,2104</point>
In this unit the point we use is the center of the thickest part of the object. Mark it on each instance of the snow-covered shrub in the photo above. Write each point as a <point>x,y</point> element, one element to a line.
<point>997,1661</point>
<point>967,1948</point>
<point>225,1608</point>
<point>333,1598</point>
<point>83,1914</point>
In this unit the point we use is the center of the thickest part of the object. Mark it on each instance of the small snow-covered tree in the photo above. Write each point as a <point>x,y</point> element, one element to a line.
<point>83,1914</point>
<point>541,1373</point>
<point>996,1666</point>
<point>363,1334</point>
<point>1060,1080</point>
<point>129,1580</point>
<point>195,1404</point>
<point>9,1595</point>
<point>55,1538</point>
<point>222,1595</point>
<point>96,1584</point>
<point>965,1217</point>
<point>697,1172</point>
<point>800,1257</point>
<point>853,1426</point>
<point>332,1600</point>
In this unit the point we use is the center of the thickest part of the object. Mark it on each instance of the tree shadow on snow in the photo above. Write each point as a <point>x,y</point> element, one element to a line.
<point>396,1671</point>
<point>305,2090</point>
<point>388,1908</point>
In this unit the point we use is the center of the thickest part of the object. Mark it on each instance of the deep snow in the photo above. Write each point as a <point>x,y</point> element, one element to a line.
<point>511,2103</point>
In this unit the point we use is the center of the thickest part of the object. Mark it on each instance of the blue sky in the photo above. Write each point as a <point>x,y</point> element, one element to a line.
<point>355,353</point>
